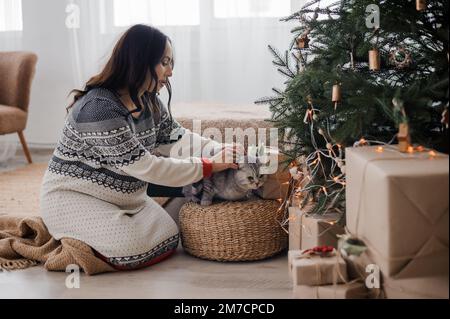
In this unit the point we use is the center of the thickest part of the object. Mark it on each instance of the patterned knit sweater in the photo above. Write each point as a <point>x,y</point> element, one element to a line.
<point>95,187</point>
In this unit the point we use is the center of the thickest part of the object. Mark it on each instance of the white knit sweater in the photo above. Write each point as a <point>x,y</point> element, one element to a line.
<point>95,187</point>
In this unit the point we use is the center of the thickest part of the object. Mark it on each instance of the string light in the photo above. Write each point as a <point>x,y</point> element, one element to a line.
<point>380,149</point>
<point>432,154</point>
<point>313,170</point>
<point>410,149</point>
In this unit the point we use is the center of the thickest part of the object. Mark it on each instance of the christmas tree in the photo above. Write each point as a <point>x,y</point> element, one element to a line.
<point>361,71</point>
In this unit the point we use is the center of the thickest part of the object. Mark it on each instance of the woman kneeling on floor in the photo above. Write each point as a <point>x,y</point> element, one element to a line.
<point>117,138</point>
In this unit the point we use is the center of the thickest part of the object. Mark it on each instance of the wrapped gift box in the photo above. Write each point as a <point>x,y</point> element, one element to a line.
<point>398,205</point>
<point>406,286</point>
<point>356,290</point>
<point>417,281</point>
<point>275,187</point>
<point>293,254</point>
<point>315,270</point>
<point>278,176</point>
<point>320,230</point>
<point>433,287</point>
<point>306,231</point>
<point>295,228</point>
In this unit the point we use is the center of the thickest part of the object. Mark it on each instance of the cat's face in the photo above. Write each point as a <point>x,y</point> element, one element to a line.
<point>248,174</point>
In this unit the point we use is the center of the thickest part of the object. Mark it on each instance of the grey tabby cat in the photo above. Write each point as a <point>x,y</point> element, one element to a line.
<point>230,185</point>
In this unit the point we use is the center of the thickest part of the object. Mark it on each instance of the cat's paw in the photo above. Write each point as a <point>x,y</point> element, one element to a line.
<point>251,195</point>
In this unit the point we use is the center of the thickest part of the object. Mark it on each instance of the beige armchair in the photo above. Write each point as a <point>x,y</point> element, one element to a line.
<point>16,75</point>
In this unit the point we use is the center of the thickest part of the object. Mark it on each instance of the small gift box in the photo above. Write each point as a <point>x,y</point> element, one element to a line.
<point>293,254</point>
<point>320,230</point>
<point>319,266</point>
<point>277,180</point>
<point>312,230</point>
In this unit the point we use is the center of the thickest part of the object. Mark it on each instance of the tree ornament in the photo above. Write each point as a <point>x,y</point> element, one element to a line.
<point>374,60</point>
<point>351,246</point>
<point>362,142</point>
<point>400,58</point>
<point>421,5</point>
<point>352,61</point>
<point>310,115</point>
<point>404,138</point>
<point>445,117</point>
<point>303,41</point>
<point>336,96</point>
<point>295,173</point>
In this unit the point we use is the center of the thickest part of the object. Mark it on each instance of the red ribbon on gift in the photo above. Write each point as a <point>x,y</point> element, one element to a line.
<point>319,250</point>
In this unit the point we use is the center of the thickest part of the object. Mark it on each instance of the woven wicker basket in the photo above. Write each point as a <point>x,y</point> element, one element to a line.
<point>232,231</point>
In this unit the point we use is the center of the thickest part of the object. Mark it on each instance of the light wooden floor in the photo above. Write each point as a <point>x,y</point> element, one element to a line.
<point>181,276</point>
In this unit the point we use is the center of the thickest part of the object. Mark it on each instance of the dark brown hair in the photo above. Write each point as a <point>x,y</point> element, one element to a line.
<point>139,50</point>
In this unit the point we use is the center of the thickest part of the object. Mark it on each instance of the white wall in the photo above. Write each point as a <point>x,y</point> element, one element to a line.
<point>45,34</point>
<point>242,82</point>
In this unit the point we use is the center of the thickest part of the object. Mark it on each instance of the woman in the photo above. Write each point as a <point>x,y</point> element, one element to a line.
<point>117,139</point>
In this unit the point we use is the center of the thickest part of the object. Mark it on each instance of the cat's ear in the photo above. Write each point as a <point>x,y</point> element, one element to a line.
<point>261,150</point>
<point>251,159</point>
<point>241,159</point>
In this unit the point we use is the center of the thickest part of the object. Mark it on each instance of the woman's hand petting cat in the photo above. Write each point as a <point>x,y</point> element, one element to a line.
<point>224,160</point>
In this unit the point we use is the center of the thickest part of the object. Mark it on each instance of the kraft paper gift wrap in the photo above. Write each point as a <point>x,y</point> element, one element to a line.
<point>320,230</point>
<point>407,285</point>
<point>417,281</point>
<point>306,231</point>
<point>433,287</point>
<point>275,187</point>
<point>277,180</point>
<point>398,205</point>
<point>356,290</point>
<point>295,228</point>
<point>315,270</point>
<point>293,254</point>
